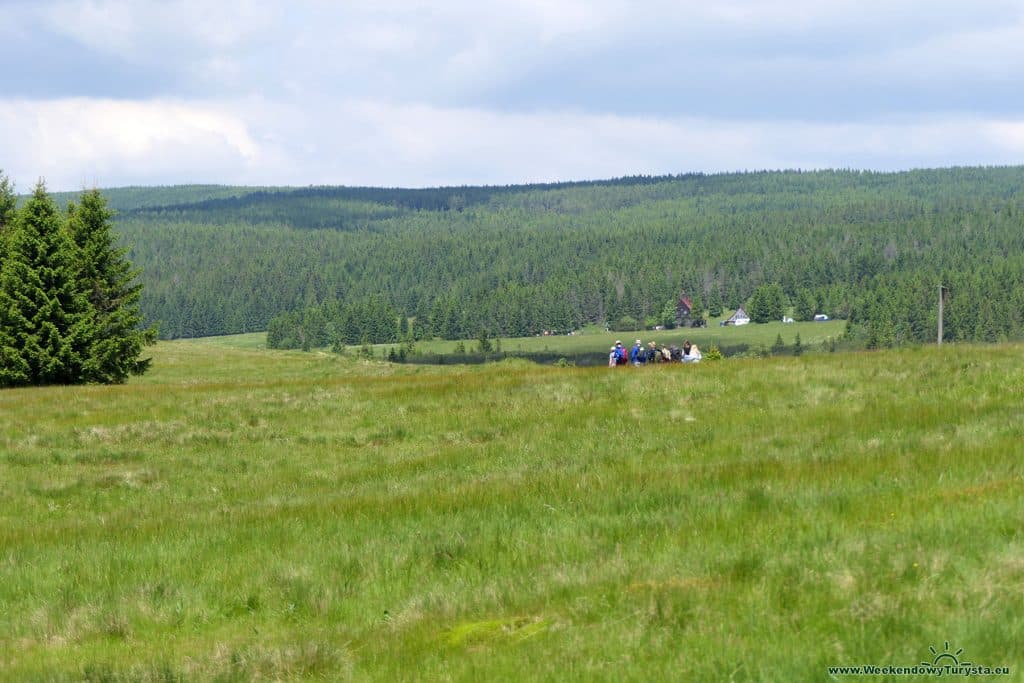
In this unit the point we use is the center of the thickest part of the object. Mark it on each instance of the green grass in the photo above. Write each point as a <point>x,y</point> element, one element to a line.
<point>241,514</point>
<point>249,340</point>
<point>599,342</point>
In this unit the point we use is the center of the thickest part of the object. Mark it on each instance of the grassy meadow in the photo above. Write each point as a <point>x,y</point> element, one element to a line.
<point>592,343</point>
<point>242,514</point>
<point>597,341</point>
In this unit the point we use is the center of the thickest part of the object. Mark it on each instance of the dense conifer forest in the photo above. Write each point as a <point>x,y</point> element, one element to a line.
<point>322,265</point>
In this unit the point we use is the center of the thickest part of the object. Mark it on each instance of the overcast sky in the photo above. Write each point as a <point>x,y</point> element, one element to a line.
<point>124,92</point>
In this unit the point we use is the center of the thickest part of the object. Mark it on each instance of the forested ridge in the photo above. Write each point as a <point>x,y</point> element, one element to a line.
<point>321,265</point>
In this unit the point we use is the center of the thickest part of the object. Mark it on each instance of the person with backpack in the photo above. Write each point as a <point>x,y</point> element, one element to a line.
<point>652,355</point>
<point>636,354</point>
<point>620,353</point>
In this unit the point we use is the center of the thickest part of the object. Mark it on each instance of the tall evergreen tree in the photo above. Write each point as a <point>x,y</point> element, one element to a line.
<point>881,323</point>
<point>698,307</point>
<point>45,318</point>
<point>779,346</point>
<point>113,291</point>
<point>714,302</point>
<point>668,314</point>
<point>806,305</point>
<point>8,204</point>
<point>767,303</point>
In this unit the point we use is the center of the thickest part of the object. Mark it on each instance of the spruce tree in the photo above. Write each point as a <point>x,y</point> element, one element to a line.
<point>714,303</point>
<point>484,341</point>
<point>767,303</point>
<point>806,305</point>
<point>668,314</point>
<point>779,346</point>
<point>8,205</point>
<point>45,318</point>
<point>697,312</point>
<point>110,283</point>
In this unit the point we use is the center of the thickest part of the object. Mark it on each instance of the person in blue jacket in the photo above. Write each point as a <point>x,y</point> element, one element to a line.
<point>637,354</point>
<point>620,353</point>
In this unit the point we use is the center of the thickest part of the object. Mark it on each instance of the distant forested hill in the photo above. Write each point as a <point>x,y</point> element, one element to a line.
<point>129,198</point>
<point>320,264</point>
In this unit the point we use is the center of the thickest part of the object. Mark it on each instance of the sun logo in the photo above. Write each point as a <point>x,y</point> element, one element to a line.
<point>945,658</point>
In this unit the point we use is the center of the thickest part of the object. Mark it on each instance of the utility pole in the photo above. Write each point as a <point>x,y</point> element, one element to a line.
<point>942,291</point>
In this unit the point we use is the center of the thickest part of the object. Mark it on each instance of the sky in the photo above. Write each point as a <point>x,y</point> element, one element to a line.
<point>109,93</point>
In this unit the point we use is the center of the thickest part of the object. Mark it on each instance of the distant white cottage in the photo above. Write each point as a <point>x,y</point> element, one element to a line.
<point>740,317</point>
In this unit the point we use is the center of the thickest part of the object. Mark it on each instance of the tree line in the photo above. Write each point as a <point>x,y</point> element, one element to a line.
<point>307,264</point>
<point>69,297</point>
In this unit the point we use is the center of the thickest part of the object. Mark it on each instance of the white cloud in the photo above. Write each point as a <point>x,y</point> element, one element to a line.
<point>422,92</point>
<point>431,51</point>
<point>459,145</point>
<point>80,142</point>
<point>369,142</point>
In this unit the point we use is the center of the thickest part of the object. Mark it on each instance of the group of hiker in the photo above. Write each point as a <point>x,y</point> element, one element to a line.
<point>642,355</point>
